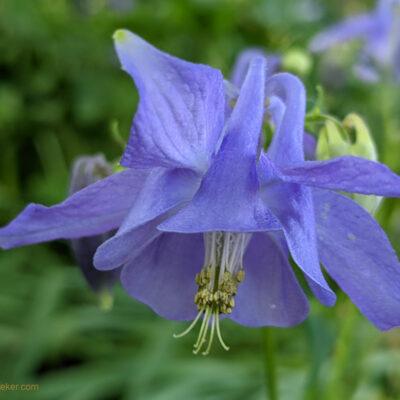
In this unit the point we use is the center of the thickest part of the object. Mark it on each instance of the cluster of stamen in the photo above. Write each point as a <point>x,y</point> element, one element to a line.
<point>223,297</point>
<point>217,285</point>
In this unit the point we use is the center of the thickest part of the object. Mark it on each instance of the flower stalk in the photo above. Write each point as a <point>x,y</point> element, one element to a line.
<point>270,374</point>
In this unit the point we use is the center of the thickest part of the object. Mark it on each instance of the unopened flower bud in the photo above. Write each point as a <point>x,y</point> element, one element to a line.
<point>351,137</point>
<point>87,170</point>
<point>297,61</point>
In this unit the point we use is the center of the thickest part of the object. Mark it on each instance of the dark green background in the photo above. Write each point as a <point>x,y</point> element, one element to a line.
<point>61,92</point>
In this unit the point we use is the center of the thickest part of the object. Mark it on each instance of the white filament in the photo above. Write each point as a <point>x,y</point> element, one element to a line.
<point>226,251</point>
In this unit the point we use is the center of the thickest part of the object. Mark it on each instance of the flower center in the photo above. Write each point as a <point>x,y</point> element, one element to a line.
<point>217,284</point>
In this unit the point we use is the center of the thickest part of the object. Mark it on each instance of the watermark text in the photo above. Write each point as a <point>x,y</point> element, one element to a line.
<point>22,387</point>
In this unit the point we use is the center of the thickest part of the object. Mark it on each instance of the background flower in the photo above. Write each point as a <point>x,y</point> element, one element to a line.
<point>379,31</point>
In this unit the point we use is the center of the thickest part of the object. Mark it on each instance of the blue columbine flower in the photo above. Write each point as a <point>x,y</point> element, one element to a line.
<point>380,32</point>
<point>207,218</point>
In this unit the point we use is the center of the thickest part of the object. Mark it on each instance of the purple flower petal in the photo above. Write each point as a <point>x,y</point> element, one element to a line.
<point>126,245</point>
<point>310,145</point>
<point>324,297</point>
<point>357,254</point>
<point>378,43</point>
<point>242,64</point>
<point>181,110</point>
<point>84,249</point>
<point>91,211</point>
<point>287,143</point>
<point>270,294</point>
<point>366,72</point>
<point>163,275</point>
<point>352,28</point>
<point>293,206</point>
<point>276,111</point>
<point>349,174</point>
<point>228,197</point>
<point>163,191</point>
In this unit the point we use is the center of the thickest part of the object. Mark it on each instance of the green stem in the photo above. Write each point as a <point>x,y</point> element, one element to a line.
<point>387,100</point>
<point>270,366</point>
<point>345,360</point>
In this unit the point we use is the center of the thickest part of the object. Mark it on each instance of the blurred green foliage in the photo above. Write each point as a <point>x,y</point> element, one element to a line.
<point>61,94</point>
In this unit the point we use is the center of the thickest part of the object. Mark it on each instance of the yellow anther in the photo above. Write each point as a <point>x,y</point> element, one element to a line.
<point>240,276</point>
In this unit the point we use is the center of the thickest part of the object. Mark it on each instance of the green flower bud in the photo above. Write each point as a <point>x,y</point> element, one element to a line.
<point>297,61</point>
<point>363,145</point>
<point>351,137</point>
<point>332,142</point>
